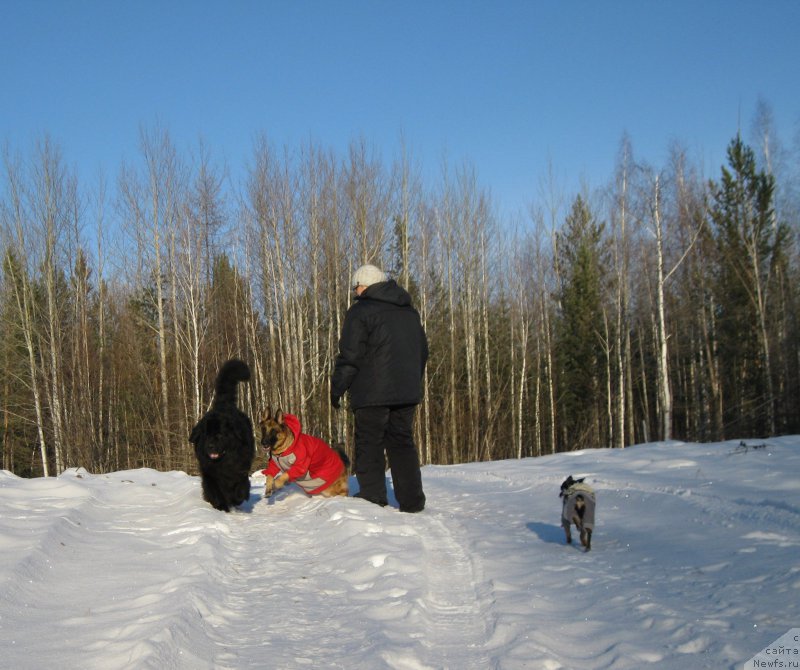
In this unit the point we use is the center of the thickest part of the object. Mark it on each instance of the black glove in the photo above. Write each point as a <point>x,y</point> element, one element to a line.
<point>334,401</point>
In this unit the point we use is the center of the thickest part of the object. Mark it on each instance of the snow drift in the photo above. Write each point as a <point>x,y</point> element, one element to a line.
<point>695,564</point>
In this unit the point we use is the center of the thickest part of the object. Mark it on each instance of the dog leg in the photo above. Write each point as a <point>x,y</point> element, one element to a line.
<point>338,488</point>
<point>586,538</point>
<point>242,492</point>
<point>568,535</point>
<point>578,521</point>
<point>274,484</point>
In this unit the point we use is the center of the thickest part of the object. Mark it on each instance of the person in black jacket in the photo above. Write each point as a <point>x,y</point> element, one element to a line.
<point>382,356</point>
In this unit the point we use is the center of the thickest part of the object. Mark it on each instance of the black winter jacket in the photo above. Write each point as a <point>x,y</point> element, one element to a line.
<point>382,351</point>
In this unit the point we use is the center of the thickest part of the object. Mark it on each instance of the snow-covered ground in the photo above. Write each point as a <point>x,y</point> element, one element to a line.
<point>695,564</point>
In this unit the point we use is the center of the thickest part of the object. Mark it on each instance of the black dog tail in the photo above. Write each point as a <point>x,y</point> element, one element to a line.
<point>339,449</point>
<point>230,374</point>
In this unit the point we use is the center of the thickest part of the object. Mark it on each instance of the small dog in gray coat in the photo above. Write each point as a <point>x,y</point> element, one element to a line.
<point>578,503</point>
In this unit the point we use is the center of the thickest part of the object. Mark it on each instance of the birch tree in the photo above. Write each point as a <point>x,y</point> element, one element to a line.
<point>150,205</point>
<point>622,430</point>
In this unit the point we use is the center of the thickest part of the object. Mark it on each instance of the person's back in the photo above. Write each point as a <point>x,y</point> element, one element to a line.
<point>382,356</point>
<point>395,348</point>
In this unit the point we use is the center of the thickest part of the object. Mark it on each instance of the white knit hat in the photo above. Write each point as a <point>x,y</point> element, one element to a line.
<point>367,275</point>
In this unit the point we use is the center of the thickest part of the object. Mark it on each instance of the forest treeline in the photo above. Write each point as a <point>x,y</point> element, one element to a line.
<point>661,306</point>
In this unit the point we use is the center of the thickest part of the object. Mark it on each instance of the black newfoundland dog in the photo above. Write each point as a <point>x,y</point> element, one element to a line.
<point>223,442</point>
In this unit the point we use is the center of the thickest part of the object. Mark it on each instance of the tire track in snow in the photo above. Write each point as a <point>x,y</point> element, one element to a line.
<point>72,575</point>
<point>248,578</point>
<point>455,609</point>
<point>277,608</point>
<point>289,583</point>
<point>400,591</point>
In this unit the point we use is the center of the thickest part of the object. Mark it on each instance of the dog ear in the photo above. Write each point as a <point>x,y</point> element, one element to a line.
<point>264,414</point>
<point>279,416</point>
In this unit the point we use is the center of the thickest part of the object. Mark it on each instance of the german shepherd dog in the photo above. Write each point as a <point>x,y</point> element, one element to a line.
<point>578,503</point>
<point>223,442</point>
<point>293,456</point>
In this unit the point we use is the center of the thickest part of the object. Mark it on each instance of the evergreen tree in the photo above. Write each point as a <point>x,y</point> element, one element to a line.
<point>18,439</point>
<point>579,343</point>
<point>750,245</point>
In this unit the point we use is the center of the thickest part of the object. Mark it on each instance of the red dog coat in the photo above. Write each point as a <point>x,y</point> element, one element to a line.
<point>309,461</point>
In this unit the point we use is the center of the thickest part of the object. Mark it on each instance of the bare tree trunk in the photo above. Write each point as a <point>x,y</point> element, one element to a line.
<point>162,328</point>
<point>662,378</point>
<point>311,198</point>
<point>604,338</point>
<point>23,294</point>
<point>759,299</point>
<point>49,207</point>
<point>519,324</point>
<point>424,251</point>
<point>523,374</point>
<point>623,416</point>
<point>159,156</point>
<point>368,202</point>
<point>181,418</point>
<point>645,394</point>
<point>490,410</point>
<point>103,409</point>
<point>453,393</point>
<point>555,200</point>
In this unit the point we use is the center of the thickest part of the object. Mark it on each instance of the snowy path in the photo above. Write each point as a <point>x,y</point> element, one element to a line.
<point>457,617</point>
<point>694,565</point>
<point>278,584</point>
<point>325,591</point>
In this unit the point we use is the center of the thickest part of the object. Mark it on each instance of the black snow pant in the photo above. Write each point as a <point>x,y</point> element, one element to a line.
<point>387,433</point>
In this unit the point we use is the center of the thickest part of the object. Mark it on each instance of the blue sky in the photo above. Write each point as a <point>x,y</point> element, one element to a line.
<point>508,87</point>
